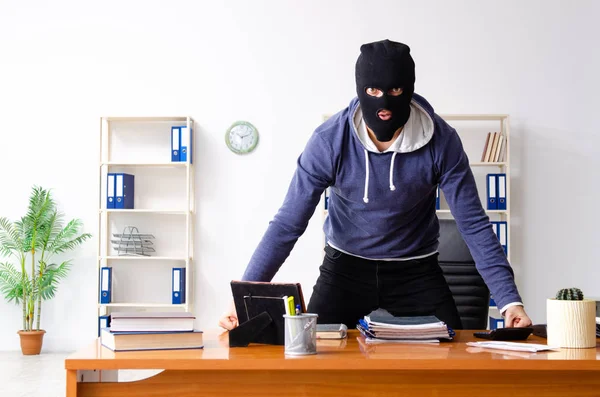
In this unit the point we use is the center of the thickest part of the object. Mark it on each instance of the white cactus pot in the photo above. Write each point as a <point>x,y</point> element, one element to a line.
<point>571,324</point>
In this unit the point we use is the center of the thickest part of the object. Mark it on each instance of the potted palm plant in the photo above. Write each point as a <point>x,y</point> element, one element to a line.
<point>31,277</point>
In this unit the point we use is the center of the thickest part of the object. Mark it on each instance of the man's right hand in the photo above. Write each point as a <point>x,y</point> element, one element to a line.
<point>229,320</point>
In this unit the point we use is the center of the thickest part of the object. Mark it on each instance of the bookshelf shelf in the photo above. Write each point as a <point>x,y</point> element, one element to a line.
<point>474,117</point>
<point>144,258</point>
<point>140,305</point>
<point>490,164</point>
<point>504,212</point>
<point>175,119</point>
<point>124,164</point>
<point>141,146</point>
<point>145,211</point>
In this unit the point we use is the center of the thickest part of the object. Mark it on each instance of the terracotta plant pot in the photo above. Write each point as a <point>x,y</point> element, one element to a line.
<point>571,324</point>
<point>31,341</point>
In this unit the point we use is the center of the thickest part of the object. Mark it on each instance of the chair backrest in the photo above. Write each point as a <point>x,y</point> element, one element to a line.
<point>470,293</point>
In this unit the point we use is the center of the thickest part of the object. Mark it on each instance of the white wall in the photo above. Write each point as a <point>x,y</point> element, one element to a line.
<point>282,65</point>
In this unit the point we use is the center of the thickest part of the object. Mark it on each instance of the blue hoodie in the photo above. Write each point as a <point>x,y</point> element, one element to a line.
<point>382,204</point>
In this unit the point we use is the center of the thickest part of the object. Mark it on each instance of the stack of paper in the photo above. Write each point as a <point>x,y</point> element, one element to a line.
<point>380,325</point>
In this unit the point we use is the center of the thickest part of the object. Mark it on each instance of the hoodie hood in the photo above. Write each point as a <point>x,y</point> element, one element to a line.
<point>416,133</point>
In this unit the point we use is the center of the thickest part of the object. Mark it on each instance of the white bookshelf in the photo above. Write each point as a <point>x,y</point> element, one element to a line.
<point>163,206</point>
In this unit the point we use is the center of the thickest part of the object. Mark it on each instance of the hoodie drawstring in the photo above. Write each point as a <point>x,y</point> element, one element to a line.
<point>392,186</point>
<point>366,196</point>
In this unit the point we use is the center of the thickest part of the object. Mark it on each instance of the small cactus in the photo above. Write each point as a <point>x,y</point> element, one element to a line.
<point>569,294</point>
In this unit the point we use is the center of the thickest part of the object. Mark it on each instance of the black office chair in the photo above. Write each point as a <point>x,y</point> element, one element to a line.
<point>470,293</point>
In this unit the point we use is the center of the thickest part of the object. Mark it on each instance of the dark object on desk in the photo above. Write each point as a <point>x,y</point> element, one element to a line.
<point>250,331</point>
<point>505,334</point>
<point>260,308</point>
<point>540,330</point>
<point>470,293</point>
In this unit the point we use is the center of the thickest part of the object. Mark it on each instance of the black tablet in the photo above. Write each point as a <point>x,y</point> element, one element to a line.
<point>505,334</point>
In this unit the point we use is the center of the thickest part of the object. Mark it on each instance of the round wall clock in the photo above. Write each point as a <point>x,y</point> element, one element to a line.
<point>241,137</point>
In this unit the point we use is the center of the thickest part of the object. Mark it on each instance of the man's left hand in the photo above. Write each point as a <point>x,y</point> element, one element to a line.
<point>515,316</point>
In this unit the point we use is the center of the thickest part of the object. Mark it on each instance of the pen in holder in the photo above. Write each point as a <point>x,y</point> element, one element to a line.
<point>301,334</point>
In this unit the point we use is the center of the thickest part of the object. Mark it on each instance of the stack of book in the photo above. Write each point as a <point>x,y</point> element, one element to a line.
<point>332,331</point>
<point>495,148</point>
<point>381,326</point>
<point>134,331</point>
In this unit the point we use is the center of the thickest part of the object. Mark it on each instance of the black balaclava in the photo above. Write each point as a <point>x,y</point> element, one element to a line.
<point>385,65</point>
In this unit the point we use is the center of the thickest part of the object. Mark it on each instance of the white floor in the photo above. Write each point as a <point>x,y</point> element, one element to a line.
<point>43,375</point>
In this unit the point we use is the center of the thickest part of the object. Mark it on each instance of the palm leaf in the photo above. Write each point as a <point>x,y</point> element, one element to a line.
<point>11,283</point>
<point>25,234</point>
<point>62,270</point>
<point>67,238</point>
<point>53,274</point>
<point>51,228</point>
<point>40,210</point>
<point>72,244</point>
<point>47,288</point>
<point>68,232</point>
<point>57,226</point>
<point>35,200</point>
<point>10,240</point>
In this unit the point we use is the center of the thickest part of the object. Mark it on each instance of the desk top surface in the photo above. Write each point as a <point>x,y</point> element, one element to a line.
<point>347,354</point>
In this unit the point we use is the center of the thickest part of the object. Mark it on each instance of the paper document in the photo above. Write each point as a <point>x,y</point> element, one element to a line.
<point>522,347</point>
<point>384,341</point>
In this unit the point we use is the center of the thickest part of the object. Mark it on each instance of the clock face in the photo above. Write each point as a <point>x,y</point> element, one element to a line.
<point>241,137</point>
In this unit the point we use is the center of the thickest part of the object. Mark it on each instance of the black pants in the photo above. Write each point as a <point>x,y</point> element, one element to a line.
<point>349,288</point>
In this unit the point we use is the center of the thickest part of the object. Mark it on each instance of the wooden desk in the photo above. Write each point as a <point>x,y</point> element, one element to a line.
<point>350,368</point>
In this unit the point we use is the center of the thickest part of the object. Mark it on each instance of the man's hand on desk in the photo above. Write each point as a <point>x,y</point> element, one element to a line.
<point>516,317</point>
<point>229,320</point>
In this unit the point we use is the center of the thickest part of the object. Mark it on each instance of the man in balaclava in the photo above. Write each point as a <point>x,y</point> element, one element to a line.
<point>382,158</point>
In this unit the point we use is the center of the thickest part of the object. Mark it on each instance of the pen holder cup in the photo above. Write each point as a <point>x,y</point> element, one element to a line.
<point>300,334</point>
